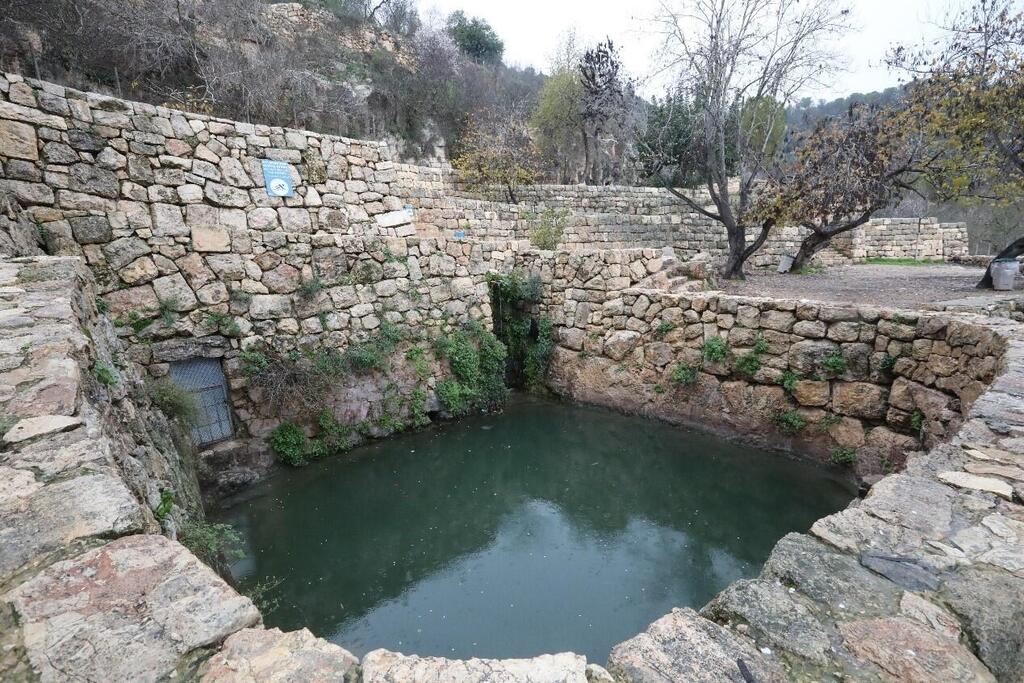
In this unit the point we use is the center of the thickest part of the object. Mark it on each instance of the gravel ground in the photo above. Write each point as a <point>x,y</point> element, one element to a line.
<point>879,285</point>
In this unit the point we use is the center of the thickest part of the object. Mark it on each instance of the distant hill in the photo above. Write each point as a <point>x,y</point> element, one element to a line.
<point>807,112</point>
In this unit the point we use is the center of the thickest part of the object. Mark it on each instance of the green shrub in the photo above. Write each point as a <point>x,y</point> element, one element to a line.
<point>175,402</point>
<point>538,355</point>
<point>790,421</point>
<point>843,455</point>
<point>761,346</point>
<point>290,444</point>
<point>683,374</point>
<point>715,350</point>
<point>748,363</point>
<point>418,407</point>
<point>101,305</point>
<point>211,542</point>
<point>417,358</point>
<point>833,364</point>
<point>663,328</point>
<point>262,594</point>
<point>456,398</point>
<point>789,380</point>
<point>167,309</point>
<point>311,287</point>
<point>164,507</point>
<point>253,362</point>
<point>888,364</point>
<point>105,374</point>
<point>917,420</point>
<point>830,420</point>
<point>547,233</point>
<point>225,324</point>
<point>659,388</point>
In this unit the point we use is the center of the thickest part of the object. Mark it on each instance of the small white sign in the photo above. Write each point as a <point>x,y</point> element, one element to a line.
<point>277,176</point>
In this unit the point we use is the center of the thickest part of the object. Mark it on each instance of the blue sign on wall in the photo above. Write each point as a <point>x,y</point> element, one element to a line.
<point>277,176</point>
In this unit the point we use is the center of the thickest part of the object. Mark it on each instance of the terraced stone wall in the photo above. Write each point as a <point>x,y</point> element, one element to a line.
<point>813,377</point>
<point>615,217</point>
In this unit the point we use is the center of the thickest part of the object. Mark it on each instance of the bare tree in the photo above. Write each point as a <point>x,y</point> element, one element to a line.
<point>725,54</point>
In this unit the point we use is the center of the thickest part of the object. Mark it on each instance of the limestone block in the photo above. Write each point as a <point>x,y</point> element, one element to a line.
<point>681,646</point>
<point>94,505</point>
<point>859,399</point>
<point>92,179</point>
<point>141,300</point>
<point>167,221</point>
<point>91,229</point>
<point>18,141</point>
<point>139,272</point>
<point>255,654</point>
<point>382,666</point>
<point>886,643</point>
<point>210,238</point>
<point>172,291</point>
<point>268,306</point>
<point>141,603</point>
<point>42,425</point>
<point>811,393</point>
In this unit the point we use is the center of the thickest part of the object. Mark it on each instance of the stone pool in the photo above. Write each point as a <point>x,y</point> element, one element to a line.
<point>549,527</point>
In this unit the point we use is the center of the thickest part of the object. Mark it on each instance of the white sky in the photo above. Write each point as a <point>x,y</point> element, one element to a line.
<point>531,31</point>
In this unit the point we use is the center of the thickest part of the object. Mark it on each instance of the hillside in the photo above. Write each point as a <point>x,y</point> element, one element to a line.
<point>354,68</point>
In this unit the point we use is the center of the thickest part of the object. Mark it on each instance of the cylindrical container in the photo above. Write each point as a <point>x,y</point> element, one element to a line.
<point>1004,273</point>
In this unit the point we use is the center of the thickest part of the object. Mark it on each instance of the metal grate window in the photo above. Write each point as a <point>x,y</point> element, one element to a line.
<point>204,379</point>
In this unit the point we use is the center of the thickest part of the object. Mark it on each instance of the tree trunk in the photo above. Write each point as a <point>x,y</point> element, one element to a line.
<point>1015,249</point>
<point>586,156</point>
<point>810,246</point>
<point>733,269</point>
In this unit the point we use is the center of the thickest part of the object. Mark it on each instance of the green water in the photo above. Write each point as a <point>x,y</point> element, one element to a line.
<point>549,527</point>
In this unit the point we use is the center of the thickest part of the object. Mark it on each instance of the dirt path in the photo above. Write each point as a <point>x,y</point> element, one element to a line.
<point>880,285</point>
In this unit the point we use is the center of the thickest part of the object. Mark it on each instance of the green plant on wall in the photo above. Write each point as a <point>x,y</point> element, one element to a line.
<point>843,455</point>
<point>105,374</point>
<point>548,228</point>
<point>684,375</point>
<point>663,328</point>
<point>166,503</point>
<point>529,339</point>
<point>212,542</point>
<point>290,443</point>
<point>476,358</point>
<point>789,380</point>
<point>715,350</point>
<point>790,422</point>
<point>175,402</point>
<point>833,364</point>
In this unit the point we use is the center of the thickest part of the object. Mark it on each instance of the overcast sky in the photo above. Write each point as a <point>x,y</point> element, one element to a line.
<point>531,31</point>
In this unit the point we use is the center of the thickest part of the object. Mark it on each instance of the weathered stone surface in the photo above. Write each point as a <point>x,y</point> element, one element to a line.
<point>126,611</point>
<point>174,292</point>
<point>990,604</point>
<point>619,343</point>
<point>139,271</point>
<point>267,306</point>
<point>211,238</point>
<point>859,399</point>
<point>382,666</point>
<point>832,578</point>
<point>978,483</point>
<point>264,656</point>
<point>18,140</point>
<point>123,251</point>
<point>774,616</point>
<point>909,651</point>
<point>42,425</point>
<point>811,393</point>
<point>90,506</point>
<point>93,180</point>
<point>682,646</point>
<point>805,356</point>
<point>91,229</point>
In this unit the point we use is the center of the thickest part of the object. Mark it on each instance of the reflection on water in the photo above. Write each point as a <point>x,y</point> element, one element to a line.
<point>547,528</point>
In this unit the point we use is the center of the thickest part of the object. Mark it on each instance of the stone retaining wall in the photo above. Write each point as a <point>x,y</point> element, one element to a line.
<point>880,382</point>
<point>617,216</point>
